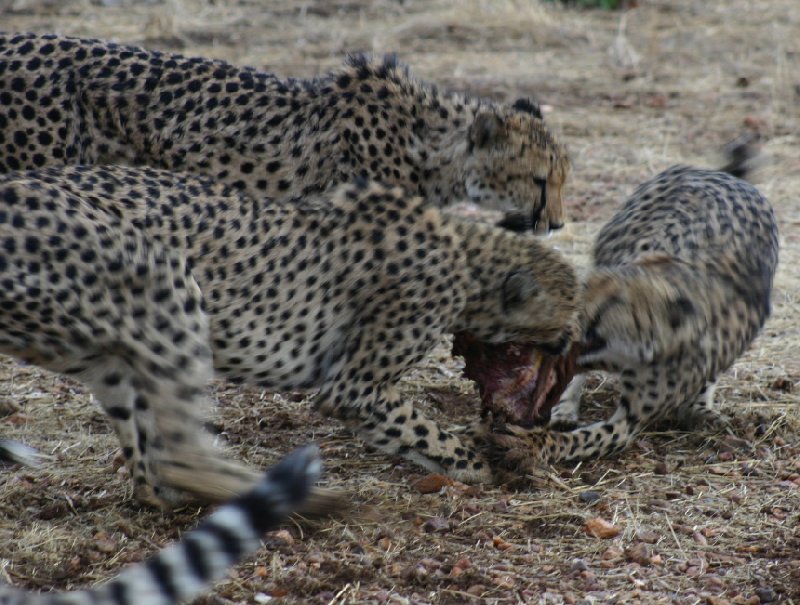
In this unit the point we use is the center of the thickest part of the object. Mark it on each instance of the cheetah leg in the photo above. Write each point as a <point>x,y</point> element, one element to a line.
<point>159,423</point>
<point>639,405</point>
<point>140,340</point>
<point>360,389</point>
<point>701,411</point>
<point>392,425</point>
<point>564,416</point>
<point>109,380</point>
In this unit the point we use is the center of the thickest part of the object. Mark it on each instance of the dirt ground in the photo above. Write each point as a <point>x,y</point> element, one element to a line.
<point>697,517</point>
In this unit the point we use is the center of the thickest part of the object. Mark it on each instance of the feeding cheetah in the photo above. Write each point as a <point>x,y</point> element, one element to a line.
<point>680,287</point>
<point>182,571</point>
<point>142,283</point>
<point>74,101</point>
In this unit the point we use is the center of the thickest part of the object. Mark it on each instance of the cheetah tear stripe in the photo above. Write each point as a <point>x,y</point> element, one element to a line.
<point>183,570</point>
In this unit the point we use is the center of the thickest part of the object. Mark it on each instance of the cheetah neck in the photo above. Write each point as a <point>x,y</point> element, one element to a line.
<point>442,150</point>
<point>424,131</point>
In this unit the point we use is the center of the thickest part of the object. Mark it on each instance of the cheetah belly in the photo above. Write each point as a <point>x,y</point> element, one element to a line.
<point>294,356</point>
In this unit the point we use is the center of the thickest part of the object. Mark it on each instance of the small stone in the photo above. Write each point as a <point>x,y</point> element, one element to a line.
<point>501,544</point>
<point>656,560</point>
<point>436,525</point>
<point>105,545</point>
<point>782,384</point>
<point>693,571</point>
<point>612,553</point>
<point>589,497</point>
<point>713,582</point>
<point>476,590</point>
<point>501,506</point>
<point>280,537</point>
<point>638,553</point>
<point>504,582</point>
<point>648,536</point>
<point>460,567</point>
<point>765,594</point>
<point>384,543</point>
<point>579,565</point>
<point>661,468</point>
<point>433,483</point>
<point>735,496</point>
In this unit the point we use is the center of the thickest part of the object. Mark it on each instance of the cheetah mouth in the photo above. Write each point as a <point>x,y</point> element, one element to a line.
<point>518,383</point>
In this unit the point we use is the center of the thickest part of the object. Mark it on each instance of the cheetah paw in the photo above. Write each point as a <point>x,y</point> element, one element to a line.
<point>521,448</point>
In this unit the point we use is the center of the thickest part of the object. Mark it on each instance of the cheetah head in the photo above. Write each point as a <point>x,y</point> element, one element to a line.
<point>517,325</point>
<point>636,314</point>
<point>524,292</point>
<point>515,165</point>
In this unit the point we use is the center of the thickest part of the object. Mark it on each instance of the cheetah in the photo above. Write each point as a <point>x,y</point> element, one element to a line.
<point>142,283</point>
<point>182,571</point>
<point>68,101</point>
<point>680,286</point>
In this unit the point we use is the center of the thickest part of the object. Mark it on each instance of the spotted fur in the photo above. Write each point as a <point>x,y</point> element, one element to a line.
<point>680,287</point>
<point>142,283</point>
<point>74,101</point>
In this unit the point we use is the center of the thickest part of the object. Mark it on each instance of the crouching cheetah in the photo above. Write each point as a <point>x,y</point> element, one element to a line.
<point>183,570</point>
<point>73,101</point>
<point>141,283</point>
<point>680,287</point>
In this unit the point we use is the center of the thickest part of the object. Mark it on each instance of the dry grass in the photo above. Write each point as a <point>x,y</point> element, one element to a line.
<point>702,516</point>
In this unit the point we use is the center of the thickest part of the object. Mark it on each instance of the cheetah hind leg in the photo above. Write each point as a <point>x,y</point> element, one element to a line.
<point>167,449</point>
<point>700,411</point>
<point>159,423</point>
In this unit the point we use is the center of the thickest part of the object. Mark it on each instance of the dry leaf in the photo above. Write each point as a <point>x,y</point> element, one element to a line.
<point>501,544</point>
<point>430,484</point>
<point>600,528</point>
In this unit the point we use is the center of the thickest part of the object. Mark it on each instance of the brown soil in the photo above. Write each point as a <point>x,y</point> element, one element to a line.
<point>694,517</point>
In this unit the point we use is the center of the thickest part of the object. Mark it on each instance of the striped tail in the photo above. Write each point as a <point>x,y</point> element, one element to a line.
<point>185,569</point>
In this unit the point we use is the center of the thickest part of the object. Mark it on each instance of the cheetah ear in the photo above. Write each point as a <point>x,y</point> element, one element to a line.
<point>525,105</point>
<point>518,289</point>
<point>487,130</point>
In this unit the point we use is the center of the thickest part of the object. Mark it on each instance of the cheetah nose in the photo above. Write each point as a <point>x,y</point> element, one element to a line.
<point>556,226</point>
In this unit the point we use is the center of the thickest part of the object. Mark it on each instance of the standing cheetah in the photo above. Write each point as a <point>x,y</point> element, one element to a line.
<point>73,101</point>
<point>142,283</point>
<point>680,287</point>
<point>182,571</point>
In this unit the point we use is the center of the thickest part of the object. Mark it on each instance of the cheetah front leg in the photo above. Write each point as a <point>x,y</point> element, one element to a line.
<point>392,425</point>
<point>565,414</point>
<point>644,397</point>
<point>362,391</point>
<point>700,411</point>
